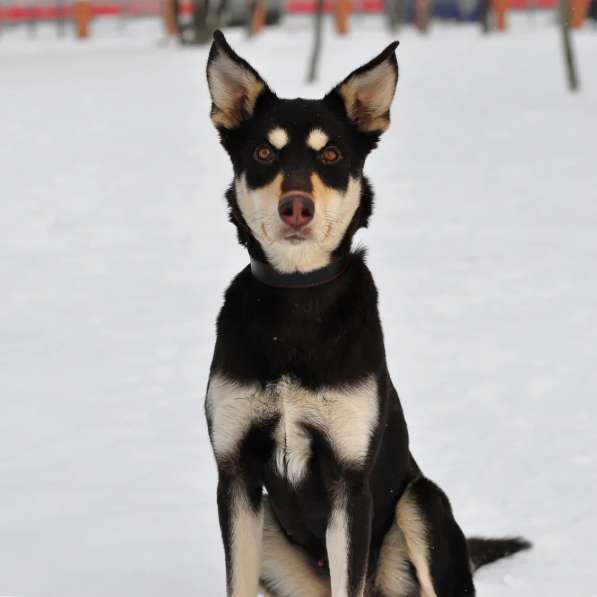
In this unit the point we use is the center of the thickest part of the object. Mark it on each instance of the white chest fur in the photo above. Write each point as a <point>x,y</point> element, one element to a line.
<point>345,415</point>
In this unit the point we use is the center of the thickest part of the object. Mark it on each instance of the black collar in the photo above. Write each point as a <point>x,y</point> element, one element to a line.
<point>268,275</point>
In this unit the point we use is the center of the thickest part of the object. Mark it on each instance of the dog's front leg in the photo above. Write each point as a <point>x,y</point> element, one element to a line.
<point>348,536</point>
<point>241,523</point>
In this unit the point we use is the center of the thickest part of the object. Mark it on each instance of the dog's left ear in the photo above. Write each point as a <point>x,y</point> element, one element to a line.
<point>234,85</point>
<point>367,93</point>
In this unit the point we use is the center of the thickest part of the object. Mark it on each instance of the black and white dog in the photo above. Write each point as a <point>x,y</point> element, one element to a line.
<point>299,400</point>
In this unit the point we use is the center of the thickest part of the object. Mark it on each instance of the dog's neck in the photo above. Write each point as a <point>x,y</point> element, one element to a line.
<point>266,274</point>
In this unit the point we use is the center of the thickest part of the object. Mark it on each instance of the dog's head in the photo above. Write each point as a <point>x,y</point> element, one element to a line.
<point>299,193</point>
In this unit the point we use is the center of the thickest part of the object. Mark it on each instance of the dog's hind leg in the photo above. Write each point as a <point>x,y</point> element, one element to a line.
<point>286,571</point>
<point>394,573</point>
<point>436,546</point>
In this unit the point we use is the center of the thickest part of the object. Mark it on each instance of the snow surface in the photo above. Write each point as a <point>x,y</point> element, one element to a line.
<point>115,252</point>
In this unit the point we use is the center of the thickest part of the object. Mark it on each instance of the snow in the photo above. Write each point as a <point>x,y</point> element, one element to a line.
<point>116,251</point>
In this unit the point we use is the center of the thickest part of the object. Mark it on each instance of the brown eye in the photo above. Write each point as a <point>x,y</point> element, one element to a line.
<point>264,154</point>
<point>330,155</point>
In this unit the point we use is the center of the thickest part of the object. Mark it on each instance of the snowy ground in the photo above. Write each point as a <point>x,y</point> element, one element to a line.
<point>115,251</point>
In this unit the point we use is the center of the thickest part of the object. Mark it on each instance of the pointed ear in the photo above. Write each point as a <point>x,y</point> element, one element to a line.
<point>367,92</point>
<point>234,85</point>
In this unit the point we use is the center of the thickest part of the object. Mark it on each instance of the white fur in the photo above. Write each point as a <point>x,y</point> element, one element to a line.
<point>293,445</point>
<point>413,527</point>
<point>247,533</point>
<point>368,97</point>
<point>317,139</point>
<point>230,407</point>
<point>336,540</point>
<point>232,87</point>
<point>278,137</point>
<point>285,568</point>
<point>345,415</point>
<point>333,212</point>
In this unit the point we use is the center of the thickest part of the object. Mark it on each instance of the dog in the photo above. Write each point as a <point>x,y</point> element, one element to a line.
<point>299,399</point>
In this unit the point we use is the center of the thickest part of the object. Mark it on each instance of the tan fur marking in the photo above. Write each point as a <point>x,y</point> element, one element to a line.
<point>260,206</point>
<point>333,212</point>
<point>393,577</point>
<point>285,568</point>
<point>247,533</point>
<point>412,525</point>
<point>337,207</point>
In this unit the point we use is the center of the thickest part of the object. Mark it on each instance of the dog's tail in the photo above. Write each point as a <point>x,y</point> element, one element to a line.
<point>485,551</point>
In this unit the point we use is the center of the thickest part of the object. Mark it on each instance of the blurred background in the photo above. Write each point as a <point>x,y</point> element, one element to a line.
<point>192,21</point>
<point>115,251</point>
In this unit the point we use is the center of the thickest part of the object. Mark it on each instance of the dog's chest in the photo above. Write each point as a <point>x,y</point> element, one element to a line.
<point>345,417</point>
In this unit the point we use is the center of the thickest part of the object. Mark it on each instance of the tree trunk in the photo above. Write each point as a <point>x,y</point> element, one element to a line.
<point>484,16</point>
<point>564,8</point>
<point>317,41</point>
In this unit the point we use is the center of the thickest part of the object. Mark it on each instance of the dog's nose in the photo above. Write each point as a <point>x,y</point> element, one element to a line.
<point>296,210</point>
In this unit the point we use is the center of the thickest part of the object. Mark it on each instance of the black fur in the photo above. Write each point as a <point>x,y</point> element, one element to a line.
<point>324,336</point>
<point>485,551</point>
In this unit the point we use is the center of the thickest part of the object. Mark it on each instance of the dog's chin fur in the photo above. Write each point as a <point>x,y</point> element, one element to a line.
<point>333,216</point>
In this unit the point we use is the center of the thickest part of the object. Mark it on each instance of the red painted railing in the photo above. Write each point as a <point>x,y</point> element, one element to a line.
<point>33,12</point>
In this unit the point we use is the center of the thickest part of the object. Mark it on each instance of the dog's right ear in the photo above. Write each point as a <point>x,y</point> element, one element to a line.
<point>234,85</point>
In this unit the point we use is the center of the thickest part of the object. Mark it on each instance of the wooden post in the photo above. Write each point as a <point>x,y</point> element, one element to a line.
<point>258,17</point>
<point>578,13</point>
<point>82,17</point>
<point>170,17</point>
<point>342,16</point>
<point>500,10</point>
<point>422,15</point>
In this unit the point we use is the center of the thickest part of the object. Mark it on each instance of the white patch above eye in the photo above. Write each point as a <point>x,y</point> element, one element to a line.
<point>278,137</point>
<point>317,139</point>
